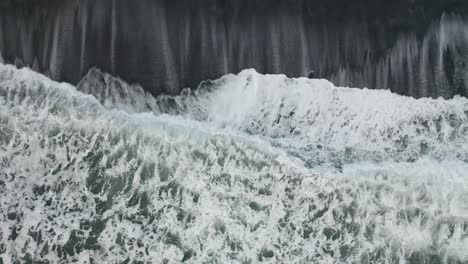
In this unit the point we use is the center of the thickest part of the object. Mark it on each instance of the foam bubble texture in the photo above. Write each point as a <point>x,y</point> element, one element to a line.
<point>247,169</point>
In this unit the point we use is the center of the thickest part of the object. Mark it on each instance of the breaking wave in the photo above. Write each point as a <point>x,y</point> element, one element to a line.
<point>247,168</point>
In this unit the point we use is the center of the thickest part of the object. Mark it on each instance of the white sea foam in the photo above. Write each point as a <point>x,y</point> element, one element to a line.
<point>247,168</point>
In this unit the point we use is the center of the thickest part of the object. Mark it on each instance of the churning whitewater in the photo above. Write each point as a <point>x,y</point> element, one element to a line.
<point>244,169</point>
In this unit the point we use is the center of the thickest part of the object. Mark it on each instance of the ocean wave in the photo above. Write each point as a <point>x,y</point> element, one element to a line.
<point>246,168</point>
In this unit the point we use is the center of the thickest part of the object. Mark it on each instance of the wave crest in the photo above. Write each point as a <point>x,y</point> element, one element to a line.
<point>247,168</point>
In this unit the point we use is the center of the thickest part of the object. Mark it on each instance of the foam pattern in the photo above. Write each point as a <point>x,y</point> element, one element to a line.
<point>248,168</point>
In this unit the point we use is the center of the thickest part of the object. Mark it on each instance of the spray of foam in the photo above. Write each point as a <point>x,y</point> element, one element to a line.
<point>247,168</point>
